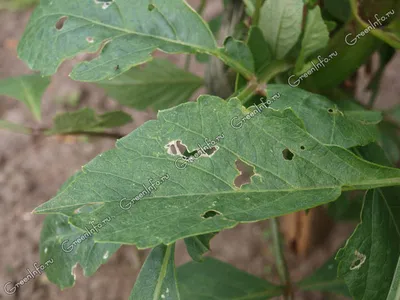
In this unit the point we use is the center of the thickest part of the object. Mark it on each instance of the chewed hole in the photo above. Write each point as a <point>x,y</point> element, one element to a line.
<point>210,214</point>
<point>151,7</point>
<point>89,39</point>
<point>60,23</point>
<point>287,154</point>
<point>302,147</point>
<point>182,148</point>
<point>358,261</point>
<point>246,172</point>
<point>330,110</point>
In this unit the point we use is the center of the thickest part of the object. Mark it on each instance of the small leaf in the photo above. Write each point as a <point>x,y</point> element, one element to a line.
<point>159,85</point>
<point>86,120</point>
<point>18,128</point>
<point>198,245</point>
<point>29,89</point>
<point>157,278</point>
<point>316,36</point>
<point>147,214</point>
<point>216,280</point>
<point>325,279</point>
<point>240,54</point>
<point>260,49</point>
<point>280,22</point>
<point>67,246</point>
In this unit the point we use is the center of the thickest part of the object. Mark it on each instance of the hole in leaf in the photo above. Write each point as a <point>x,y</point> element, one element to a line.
<point>302,147</point>
<point>60,23</point>
<point>210,214</point>
<point>358,261</point>
<point>90,39</point>
<point>330,110</point>
<point>151,7</point>
<point>181,148</point>
<point>287,154</point>
<point>246,172</point>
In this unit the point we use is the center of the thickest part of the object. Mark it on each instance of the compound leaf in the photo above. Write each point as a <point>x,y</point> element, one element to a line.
<point>216,280</point>
<point>280,22</point>
<point>159,85</point>
<point>28,89</point>
<point>163,182</point>
<point>157,278</point>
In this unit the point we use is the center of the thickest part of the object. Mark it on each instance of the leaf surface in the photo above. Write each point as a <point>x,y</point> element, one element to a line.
<point>280,22</point>
<point>216,280</point>
<point>157,278</point>
<point>28,89</point>
<point>126,32</point>
<point>198,245</point>
<point>159,85</point>
<point>157,196</point>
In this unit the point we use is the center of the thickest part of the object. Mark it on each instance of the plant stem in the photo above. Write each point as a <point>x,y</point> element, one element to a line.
<point>256,16</point>
<point>280,259</point>
<point>200,12</point>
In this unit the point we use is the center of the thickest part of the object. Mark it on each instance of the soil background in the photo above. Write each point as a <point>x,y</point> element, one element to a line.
<point>32,170</point>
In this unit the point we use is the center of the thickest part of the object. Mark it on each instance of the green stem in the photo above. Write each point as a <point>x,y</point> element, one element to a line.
<point>200,12</point>
<point>256,16</point>
<point>266,75</point>
<point>280,259</point>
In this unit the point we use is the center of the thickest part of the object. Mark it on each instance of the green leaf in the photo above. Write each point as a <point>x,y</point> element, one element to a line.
<point>197,195</point>
<point>347,207</point>
<point>28,89</point>
<point>240,52</point>
<point>260,49</point>
<point>344,128</point>
<point>198,245</point>
<point>159,85</point>
<point>389,141</point>
<point>67,246</point>
<point>316,36</point>
<point>157,278</point>
<point>4,124</point>
<point>126,32</point>
<point>280,22</point>
<point>86,120</point>
<point>325,279</point>
<point>370,256</point>
<point>216,280</point>
<point>339,9</point>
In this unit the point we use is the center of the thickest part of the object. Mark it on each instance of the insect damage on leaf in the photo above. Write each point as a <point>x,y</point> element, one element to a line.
<point>358,261</point>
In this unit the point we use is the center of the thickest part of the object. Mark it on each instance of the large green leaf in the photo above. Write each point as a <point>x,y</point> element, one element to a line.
<point>325,279</point>
<point>125,31</point>
<point>280,22</point>
<point>159,85</point>
<point>215,280</point>
<point>293,171</point>
<point>157,279</point>
<point>324,120</point>
<point>316,36</point>
<point>28,88</point>
<point>370,256</point>
<point>86,120</point>
<point>67,246</point>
